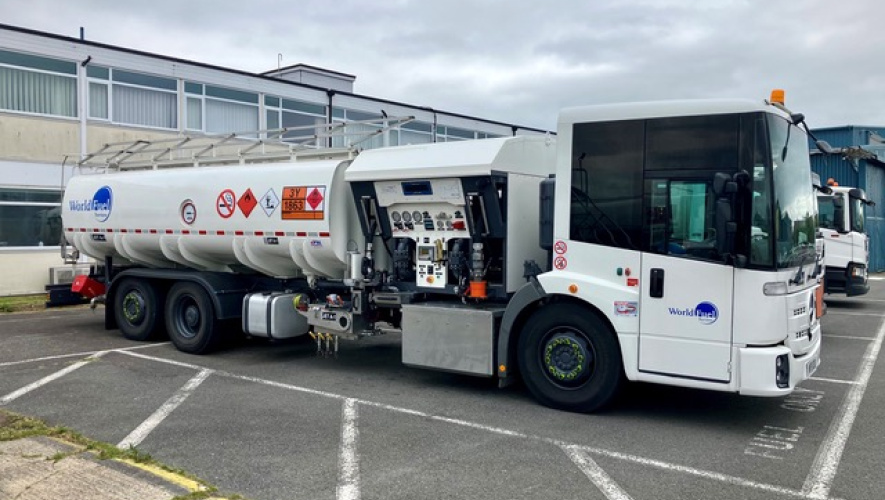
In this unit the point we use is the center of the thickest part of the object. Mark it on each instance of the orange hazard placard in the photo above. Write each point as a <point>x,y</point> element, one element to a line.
<point>303,203</point>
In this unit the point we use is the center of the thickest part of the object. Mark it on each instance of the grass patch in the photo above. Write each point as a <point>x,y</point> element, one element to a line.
<point>23,303</point>
<point>14,426</point>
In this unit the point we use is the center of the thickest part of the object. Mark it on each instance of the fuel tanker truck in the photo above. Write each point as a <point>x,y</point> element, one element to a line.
<point>665,242</point>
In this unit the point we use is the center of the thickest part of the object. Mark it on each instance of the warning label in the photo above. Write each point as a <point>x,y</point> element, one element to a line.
<point>303,203</point>
<point>560,262</point>
<point>224,205</point>
<point>247,203</point>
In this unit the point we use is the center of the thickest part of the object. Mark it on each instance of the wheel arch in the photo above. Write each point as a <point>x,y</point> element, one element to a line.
<point>527,300</point>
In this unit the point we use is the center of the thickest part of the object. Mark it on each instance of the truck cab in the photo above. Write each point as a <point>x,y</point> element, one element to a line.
<point>846,244</point>
<point>689,228</point>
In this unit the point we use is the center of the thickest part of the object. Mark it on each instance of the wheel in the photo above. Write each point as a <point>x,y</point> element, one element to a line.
<point>190,319</point>
<point>569,358</point>
<point>138,309</point>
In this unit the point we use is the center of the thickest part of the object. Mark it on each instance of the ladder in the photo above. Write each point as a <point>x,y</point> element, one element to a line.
<point>257,146</point>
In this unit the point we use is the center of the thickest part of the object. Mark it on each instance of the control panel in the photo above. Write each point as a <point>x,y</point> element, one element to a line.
<point>431,213</point>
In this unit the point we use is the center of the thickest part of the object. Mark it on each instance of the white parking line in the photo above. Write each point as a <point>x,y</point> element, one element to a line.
<point>596,475</point>
<point>705,474</point>
<point>834,381</point>
<point>846,313</point>
<point>850,337</point>
<point>142,431</point>
<point>348,458</point>
<point>12,396</point>
<point>826,463</point>
<point>77,354</point>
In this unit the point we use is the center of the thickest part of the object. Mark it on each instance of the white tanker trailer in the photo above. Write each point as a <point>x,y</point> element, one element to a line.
<point>456,247</point>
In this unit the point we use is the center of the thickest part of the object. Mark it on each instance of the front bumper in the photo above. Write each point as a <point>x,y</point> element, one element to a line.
<point>756,366</point>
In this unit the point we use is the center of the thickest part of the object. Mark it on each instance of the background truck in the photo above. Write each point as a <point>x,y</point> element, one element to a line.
<point>666,242</point>
<point>846,245</point>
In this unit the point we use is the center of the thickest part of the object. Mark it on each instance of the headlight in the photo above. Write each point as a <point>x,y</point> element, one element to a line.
<point>775,288</point>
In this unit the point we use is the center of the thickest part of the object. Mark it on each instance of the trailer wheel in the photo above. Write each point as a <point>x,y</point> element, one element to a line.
<point>190,319</point>
<point>138,309</point>
<point>569,358</point>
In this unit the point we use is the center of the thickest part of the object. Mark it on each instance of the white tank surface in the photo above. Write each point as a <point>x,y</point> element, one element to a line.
<point>281,219</point>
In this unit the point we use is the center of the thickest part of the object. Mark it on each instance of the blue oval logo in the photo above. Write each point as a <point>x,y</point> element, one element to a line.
<point>707,313</point>
<point>102,202</point>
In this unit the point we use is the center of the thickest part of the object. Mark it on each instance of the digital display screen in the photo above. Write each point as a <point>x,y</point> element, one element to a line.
<point>426,253</point>
<point>417,188</point>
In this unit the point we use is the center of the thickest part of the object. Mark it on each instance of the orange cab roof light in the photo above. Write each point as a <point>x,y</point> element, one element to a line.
<point>777,96</point>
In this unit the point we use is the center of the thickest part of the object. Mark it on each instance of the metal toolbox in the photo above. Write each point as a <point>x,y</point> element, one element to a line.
<point>272,315</point>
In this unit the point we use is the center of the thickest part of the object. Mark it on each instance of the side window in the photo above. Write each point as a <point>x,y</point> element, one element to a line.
<point>681,218</point>
<point>857,215</point>
<point>606,206</point>
<point>826,212</point>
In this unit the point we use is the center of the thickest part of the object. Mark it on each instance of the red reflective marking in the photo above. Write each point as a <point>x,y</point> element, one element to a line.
<point>301,233</point>
<point>238,233</point>
<point>138,231</point>
<point>201,231</point>
<point>96,230</point>
<point>124,230</point>
<point>109,230</point>
<point>70,229</point>
<point>324,235</point>
<point>82,229</point>
<point>185,231</point>
<point>259,233</point>
<point>280,233</point>
<point>153,231</point>
<point>219,233</point>
<point>168,231</point>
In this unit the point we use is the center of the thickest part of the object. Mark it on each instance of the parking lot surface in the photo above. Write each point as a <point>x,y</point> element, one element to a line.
<point>274,421</point>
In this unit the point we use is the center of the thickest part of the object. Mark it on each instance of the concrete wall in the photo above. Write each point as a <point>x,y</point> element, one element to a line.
<point>31,153</point>
<point>27,271</point>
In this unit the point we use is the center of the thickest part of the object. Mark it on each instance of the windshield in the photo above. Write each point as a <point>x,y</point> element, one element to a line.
<point>795,214</point>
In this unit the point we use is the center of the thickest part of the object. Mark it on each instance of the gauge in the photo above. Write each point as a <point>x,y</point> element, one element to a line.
<point>395,216</point>
<point>417,216</point>
<point>407,217</point>
<point>439,224</point>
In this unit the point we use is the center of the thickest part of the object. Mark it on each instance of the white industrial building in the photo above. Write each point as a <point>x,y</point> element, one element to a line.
<point>62,97</point>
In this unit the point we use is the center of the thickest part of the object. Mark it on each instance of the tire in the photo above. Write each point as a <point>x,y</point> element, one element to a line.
<point>190,319</point>
<point>138,307</point>
<point>569,358</point>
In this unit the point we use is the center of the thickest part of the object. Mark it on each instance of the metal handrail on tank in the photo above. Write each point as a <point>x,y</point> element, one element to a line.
<point>255,146</point>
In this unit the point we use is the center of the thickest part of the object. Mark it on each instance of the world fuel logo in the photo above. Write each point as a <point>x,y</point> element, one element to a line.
<point>100,205</point>
<point>706,312</point>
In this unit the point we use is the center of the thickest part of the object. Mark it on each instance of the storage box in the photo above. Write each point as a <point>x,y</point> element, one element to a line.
<point>273,315</point>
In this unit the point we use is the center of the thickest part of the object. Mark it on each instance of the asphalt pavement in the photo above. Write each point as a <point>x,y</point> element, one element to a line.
<point>274,421</point>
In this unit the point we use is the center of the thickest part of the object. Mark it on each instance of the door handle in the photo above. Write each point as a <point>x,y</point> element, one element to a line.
<point>656,288</point>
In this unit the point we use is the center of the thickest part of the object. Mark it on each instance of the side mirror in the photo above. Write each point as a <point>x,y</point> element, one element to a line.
<point>723,185</point>
<point>725,226</point>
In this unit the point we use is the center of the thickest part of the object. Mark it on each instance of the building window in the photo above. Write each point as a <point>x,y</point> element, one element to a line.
<point>412,133</point>
<point>451,134</point>
<point>30,217</point>
<point>219,110</point>
<point>146,100</point>
<point>357,135</point>
<point>306,118</point>
<point>99,97</point>
<point>39,85</point>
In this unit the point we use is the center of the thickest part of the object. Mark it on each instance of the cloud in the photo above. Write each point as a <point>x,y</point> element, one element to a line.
<point>520,61</point>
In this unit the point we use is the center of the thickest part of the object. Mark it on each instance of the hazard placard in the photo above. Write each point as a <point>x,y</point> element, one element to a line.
<point>303,203</point>
<point>247,203</point>
<point>224,205</point>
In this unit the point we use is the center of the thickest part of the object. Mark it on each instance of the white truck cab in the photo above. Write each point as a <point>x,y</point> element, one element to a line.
<point>846,246</point>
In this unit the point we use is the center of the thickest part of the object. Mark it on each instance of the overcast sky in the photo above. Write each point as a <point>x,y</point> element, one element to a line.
<point>520,61</point>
